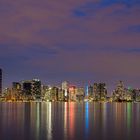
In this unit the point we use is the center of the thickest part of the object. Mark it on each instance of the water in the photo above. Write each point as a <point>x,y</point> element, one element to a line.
<point>69,121</point>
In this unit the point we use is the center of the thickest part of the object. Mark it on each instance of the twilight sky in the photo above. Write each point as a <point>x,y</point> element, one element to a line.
<point>82,41</point>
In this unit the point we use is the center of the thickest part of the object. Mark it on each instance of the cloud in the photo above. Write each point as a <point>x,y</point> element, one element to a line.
<point>70,38</point>
<point>52,23</point>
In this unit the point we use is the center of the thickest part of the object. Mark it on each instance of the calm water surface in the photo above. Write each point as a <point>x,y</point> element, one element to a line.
<point>69,121</point>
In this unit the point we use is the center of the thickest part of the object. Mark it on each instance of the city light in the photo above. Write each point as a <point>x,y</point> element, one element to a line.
<point>34,90</point>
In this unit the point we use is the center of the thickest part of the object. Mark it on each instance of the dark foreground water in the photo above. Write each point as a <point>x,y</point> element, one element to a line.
<point>69,121</point>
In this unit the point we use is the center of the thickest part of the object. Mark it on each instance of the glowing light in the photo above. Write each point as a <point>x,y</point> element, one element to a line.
<point>66,93</point>
<point>129,113</point>
<point>72,120</point>
<point>49,120</point>
<point>65,119</point>
<point>87,117</point>
<point>37,120</point>
<point>72,89</point>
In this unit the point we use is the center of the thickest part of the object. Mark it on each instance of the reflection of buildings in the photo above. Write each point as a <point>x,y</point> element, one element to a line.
<point>129,116</point>
<point>71,120</point>
<point>38,120</point>
<point>65,118</point>
<point>27,119</point>
<point>49,121</point>
<point>118,113</point>
<point>86,118</point>
<point>104,117</point>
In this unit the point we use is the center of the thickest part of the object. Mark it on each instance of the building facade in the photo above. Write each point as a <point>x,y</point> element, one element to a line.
<point>100,91</point>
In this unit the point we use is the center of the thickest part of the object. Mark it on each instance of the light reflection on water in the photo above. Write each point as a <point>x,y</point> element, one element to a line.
<point>86,119</point>
<point>69,121</point>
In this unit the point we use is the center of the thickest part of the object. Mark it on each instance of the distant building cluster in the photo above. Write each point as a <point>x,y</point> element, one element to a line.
<point>34,90</point>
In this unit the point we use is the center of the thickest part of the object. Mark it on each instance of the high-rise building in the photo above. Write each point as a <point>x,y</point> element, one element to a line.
<point>120,93</point>
<point>90,91</point>
<point>95,88</point>
<point>27,88</point>
<point>61,96</point>
<point>47,93</point>
<point>54,94</point>
<point>136,95</point>
<point>100,91</point>
<point>36,88</point>
<point>32,88</point>
<point>79,93</point>
<point>16,86</point>
<point>72,93</point>
<point>16,90</point>
<point>0,81</point>
<point>65,86</point>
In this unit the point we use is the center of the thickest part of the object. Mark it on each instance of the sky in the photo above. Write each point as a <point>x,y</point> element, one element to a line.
<point>81,41</point>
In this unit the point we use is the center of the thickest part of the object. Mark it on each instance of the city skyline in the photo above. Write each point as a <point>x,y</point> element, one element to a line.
<point>69,69</point>
<point>57,83</point>
<point>34,90</point>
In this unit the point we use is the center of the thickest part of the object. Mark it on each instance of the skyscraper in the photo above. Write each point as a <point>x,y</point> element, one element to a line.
<point>90,91</point>
<point>72,93</point>
<point>27,88</point>
<point>0,81</point>
<point>16,86</point>
<point>36,88</point>
<point>16,90</point>
<point>32,88</point>
<point>65,87</point>
<point>100,91</point>
<point>120,92</point>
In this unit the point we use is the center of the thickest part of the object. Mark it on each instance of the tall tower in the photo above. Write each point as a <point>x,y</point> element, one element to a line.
<point>65,87</point>
<point>0,81</point>
<point>100,91</point>
<point>27,88</point>
<point>36,88</point>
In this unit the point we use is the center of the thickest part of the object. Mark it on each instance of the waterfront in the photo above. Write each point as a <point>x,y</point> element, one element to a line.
<point>69,121</point>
